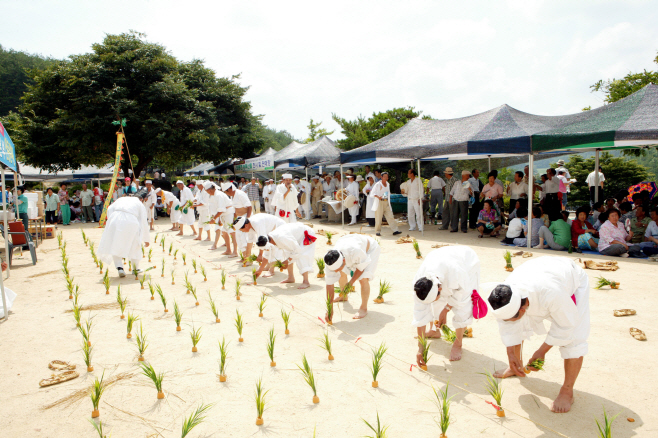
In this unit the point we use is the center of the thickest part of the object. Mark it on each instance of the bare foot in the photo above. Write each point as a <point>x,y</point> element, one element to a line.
<point>207,240</point>
<point>268,274</point>
<point>232,256</point>
<point>360,314</point>
<point>197,238</point>
<point>213,247</point>
<point>456,352</point>
<point>180,234</point>
<point>304,286</point>
<point>505,374</point>
<point>563,401</point>
<point>226,252</point>
<point>433,334</point>
<point>338,299</point>
<point>289,280</point>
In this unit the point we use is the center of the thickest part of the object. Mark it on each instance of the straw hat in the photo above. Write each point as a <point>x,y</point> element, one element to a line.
<point>448,171</point>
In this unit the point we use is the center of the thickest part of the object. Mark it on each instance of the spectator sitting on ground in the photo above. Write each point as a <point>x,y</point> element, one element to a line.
<point>544,218</point>
<point>537,223</point>
<point>488,219</point>
<point>557,236</point>
<point>597,209</point>
<point>650,244</point>
<point>614,238</point>
<point>583,234</point>
<point>565,216</point>
<point>515,227</point>
<point>610,203</point>
<point>639,224</point>
<point>514,212</point>
<point>627,213</point>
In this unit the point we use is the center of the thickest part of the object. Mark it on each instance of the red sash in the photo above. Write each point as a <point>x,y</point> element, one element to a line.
<point>479,306</point>
<point>308,239</point>
<point>284,213</point>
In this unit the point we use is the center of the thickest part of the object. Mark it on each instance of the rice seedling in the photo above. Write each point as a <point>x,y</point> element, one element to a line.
<point>344,291</point>
<point>223,352</point>
<point>130,266</point>
<point>194,419</point>
<point>203,272</point>
<point>537,364</point>
<point>148,371</point>
<point>242,259</point>
<point>186,280</point>
<point>151,290</point>
<point>261,305</point>
<point>239,324</point>
<point>100,265</point>
<point>59,239</point>
<point>605,429</point>
<point>213,307</point>
<point>97,390</point>
<point>141,343</point>
<point>307,372</point>
<point>76,295</point>
<point>194,293</point>
<point>238,284</point>
<point>380,432</point>
<point>417,249</point>
<point>286,320</point>
<point>173,273</point>
<point>425,344</point>
<point>184,257</point>
<point>143,254</point>
<point>270,347</point>
<point>171,246</point>
<point>129,324</point>
<point>70,287</point>
<point>84,237</point>
<point>254,275</point>
<point>325,343</point>
<point>377,364</point>
<point>330,309</point>
<point>99,429</point>
<point>155,240</point>
<point>443,403</point>
<point>162,244</point>
<point>252,258</point>
<point>178,316</point>
<point>222,279</point>
<point>85,330</point>
<point>508,261</point>
<point>494,387</point>
<point>141,281</point>
<point>106,283</point>
<point>384,288</point>
<point>328,234</point>
<point>602,282</point>
<point>76,314</point>
<point>448,334</point>
<point>122,301</point>
<point>321,265</point>
<point>260,401</point>
<point>195,334</point>
<point>163,268</point>
<point>176,254</point>
<point>87,350</point>
<point>150,254</point>
<point>279,264</point>
<point>163,299</point>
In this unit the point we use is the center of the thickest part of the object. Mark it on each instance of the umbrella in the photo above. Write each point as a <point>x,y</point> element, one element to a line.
<point>648,186</point>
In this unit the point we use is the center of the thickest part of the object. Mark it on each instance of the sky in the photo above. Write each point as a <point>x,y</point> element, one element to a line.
<point>306,60</point>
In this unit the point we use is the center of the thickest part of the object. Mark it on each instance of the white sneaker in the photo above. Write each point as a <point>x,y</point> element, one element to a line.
<point>122,273</point>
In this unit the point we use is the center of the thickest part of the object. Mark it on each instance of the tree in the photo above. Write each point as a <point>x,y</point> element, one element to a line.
<point>620,173</point>
<point>616,89</point>
<point>15,77</point>
<point>363,131</point>
<point>314,133</point>
<point>275,139</point>
<point>175,111</point>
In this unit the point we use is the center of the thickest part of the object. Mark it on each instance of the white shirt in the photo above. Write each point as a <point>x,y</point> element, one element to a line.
<point>126,229</point>
<point>552,185</point>
<point>518,189</point>
<point>475,186</point>
<point>515,229</point>
<point>289,203</point>
<point>202,199</point>
<point>414,189</point>
<point>354,248</point>
<point>459,192</point>
<point>652,230</point>
<point>591,178</point>
<point>290,239</point>
<point>267,192</point>
<point>381,191</point>
<point>262,225</point>
<point>353,189</point>
<point>186,195</point>
<point>436,183</point>
<point>240,199</point>
<point>170,197</point>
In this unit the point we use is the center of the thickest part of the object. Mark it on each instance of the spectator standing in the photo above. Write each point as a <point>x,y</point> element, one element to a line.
<point>517,190</point>
<point>52,206</point>
<point>64,205</point>
<point>98,202</point>
<point>459,196</point>
<point>414,201</point>
<point>564,187</point>
<point>21,200</point>
<point>86,199</point>
<point>450,182</point>
<point>436,188</point>
<point>552,205</point>
<point>382,205</point>
<point>591,183</point>
<point>316,196</point>
<point>252,190</point>
<point>476,186</point>
<point>492,191</point>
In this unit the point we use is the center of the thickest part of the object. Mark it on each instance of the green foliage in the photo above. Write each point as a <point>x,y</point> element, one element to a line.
<point>195,334</point>
<point>148,371</point>
<point>380,432</point>
<point>616,89</point>
<point>325,342</point>
<point>175,110</point>
<point>286,318</point>
<point>273,138</point>
<point>141,343</point>
<point>494,387</point>
<point>195,419</point>
<point>223,352</point>
<point>98,428</point>
<point>443,403</point>
<point>377,358</point>
<point>605,430</point>
<point>315,132</point>
<point>97,390</point>
<point>620,173</point>
<point>260,398</point>
<point>307,372</point>
<point>363,131</point>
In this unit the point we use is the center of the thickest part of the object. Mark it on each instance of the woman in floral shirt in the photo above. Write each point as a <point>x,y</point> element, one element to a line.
<point>488,219</point>
<point>64,205</point>
<point>614,240</point>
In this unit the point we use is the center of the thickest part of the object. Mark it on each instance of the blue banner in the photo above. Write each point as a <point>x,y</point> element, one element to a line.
<point>7,150</point>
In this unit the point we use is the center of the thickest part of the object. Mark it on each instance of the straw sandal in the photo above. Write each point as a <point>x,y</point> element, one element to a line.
<point>60,365</point>
<point>527,254</point>
<point>519,253</point>
<point>624,312</point>
<point>638,334</point>
<point>58,378</point>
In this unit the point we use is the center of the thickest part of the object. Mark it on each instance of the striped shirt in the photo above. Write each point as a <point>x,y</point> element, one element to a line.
<point>252,191</point>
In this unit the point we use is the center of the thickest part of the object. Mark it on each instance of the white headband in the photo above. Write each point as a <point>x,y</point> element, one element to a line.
<point>158,190</point>
<point>179,182</point>
<point>286,176</point>
<point>512,308</point>
<point>434,291</point>
<point>338,263</point>
<point>226,186</point>
<point>208,185</point>
<point>148,181</point>
<point>240,222</point>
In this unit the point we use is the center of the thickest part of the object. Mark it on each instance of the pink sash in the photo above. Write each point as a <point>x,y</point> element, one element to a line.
<point>479,306</point>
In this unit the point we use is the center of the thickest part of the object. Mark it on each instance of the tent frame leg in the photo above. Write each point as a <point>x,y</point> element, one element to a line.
<point>531,187</point>
<point>422,195</point>
<point>596,175</point>
<point>342,210</point>
<point>6,236</point>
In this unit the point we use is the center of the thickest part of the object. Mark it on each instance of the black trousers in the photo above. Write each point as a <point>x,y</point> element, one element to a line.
<point>591,194</point>
<point>475,210</point>
<point>51,217</point>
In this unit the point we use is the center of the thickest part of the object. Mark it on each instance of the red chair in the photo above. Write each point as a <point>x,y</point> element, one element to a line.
<point>19,238</point>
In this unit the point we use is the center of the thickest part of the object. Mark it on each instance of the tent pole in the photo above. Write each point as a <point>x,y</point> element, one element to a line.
<point>342,212</point>
<point>4,210</point>
<point>596,176</point>
<point>16,198</point>
<point>531,187</point>
<point>489,158</point>
<point>422,195</point>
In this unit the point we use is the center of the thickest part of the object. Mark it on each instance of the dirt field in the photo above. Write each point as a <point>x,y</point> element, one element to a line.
<point>40,329</point>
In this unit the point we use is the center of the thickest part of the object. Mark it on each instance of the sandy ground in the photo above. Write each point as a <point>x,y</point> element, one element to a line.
<point>39,330</point>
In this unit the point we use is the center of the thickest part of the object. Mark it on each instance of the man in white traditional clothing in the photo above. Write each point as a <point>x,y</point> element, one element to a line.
<point>268,194</point>
<point>352,190</point>
<point>242,206</point>
<point>448,279</point>
<point>381,205</point>
<point>172,205</point>
<point>285,200</point>
<point>201,200</point>
<point>547,288</point>
<point>186,208</point>
<point>297,242</point>
<point>255,227</point>
<point>218,205</point>
<point>414,192</point>
<point>225,214</point>
<point>150,202</point>
<point>356,253</point>
<point>307,189</point>
<point>125,232</point>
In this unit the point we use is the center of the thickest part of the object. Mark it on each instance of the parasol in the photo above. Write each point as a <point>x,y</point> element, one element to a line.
<point>648,186</point>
